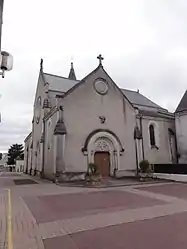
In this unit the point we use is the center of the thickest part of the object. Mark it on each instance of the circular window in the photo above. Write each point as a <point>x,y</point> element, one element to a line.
<point>101,86</point>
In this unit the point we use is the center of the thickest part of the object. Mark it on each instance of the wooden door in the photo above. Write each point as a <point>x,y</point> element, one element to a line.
<point>102,160</point>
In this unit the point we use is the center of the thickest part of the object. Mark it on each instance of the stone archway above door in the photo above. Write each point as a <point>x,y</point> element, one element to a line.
<point>107,133</point>
<point>104,142</point>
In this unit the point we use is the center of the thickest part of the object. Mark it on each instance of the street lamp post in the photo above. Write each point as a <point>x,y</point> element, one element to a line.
<point>6,62</point>
<point>6,59</point>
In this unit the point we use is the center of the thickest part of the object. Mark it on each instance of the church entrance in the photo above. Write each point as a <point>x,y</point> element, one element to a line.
<point>102,160</point>
<point>104,149</point>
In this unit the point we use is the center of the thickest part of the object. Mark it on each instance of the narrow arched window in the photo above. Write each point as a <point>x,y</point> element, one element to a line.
<point>152,135</point>
<point>49,134</point>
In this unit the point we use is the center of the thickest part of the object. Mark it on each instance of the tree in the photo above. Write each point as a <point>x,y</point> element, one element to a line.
<point>16,152</point>
<point>1,155</point>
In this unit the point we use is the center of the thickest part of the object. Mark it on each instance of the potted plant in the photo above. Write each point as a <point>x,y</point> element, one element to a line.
<point>145,170</point>
<point>93,175</point>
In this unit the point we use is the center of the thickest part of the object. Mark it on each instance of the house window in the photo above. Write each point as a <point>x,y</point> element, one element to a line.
<point>152,135</point>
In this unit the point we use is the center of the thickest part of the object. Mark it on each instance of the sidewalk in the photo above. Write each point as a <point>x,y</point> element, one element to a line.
<point>3,218</point>
<point>47,216</point>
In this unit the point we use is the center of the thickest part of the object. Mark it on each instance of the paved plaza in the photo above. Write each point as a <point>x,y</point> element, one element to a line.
<point>37,214</point>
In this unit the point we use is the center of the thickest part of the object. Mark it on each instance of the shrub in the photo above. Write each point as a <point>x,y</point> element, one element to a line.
<point>93,168</point>
<point>144,166</point>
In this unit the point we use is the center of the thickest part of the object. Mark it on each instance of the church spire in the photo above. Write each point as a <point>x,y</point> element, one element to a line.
<point>72,75</point>
<point>41,65</point>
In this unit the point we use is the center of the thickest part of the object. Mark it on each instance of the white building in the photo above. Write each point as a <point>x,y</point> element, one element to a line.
<point>19,167</point>
<point>3,161</point>
<point>181,129</point>
<point>76,122</point>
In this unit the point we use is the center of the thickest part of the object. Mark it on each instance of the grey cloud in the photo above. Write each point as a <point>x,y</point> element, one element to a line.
<point>161,85</point>
<point>144,44</point>
<point>12,132</point>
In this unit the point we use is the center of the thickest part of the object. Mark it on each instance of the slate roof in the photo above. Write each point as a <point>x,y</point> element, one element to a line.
<point>183,103</point>
<point>62,84</point>
<point>58,83</point>
<point>137,99</point>
<point>157,114</point>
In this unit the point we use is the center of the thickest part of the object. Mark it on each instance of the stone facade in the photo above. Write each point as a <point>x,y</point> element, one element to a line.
<point>73,120</point>
<point>181,131</point>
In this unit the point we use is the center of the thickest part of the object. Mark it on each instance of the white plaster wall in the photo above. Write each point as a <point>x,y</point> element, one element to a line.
<point>37,128</point>
<point>162,155</point>
<point>49,147</point>
<point>30,160</point>
<point>19,165</point>
<point>181,134</point>
<point>52,96</point>
<point>27,154</point>
<point>82,109</point>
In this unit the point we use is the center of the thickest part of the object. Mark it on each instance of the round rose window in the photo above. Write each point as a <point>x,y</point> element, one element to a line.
<point>101,86</point>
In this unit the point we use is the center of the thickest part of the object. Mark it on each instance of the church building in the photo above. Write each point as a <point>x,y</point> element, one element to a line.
<point>93,120</point>
<point>181,129</point>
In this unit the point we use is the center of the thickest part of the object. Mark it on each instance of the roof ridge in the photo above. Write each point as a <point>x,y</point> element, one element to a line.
<point>128,90</point>
<point>145,97</point>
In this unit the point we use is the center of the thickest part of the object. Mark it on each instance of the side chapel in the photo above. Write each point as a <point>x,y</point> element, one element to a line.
<point>76,122</point>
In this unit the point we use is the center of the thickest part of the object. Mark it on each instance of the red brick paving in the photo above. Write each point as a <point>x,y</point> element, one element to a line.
<point>55,207</point>
<point>175,189</point>
<point>167,232</point>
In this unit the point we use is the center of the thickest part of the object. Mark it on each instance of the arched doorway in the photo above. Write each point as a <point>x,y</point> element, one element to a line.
<point>102,160</point>
<point>103,149</point>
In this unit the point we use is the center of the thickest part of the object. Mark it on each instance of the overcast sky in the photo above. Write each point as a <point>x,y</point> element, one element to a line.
<point>144,43</point>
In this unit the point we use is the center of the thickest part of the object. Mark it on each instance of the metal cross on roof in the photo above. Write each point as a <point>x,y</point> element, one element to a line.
<point>100,58</point>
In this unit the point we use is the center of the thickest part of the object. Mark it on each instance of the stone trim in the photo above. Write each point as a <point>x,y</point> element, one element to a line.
<point>84,149</point>
<point>105,141</point>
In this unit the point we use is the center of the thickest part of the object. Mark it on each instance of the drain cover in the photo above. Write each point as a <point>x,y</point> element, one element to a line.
<point>24,182</point>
